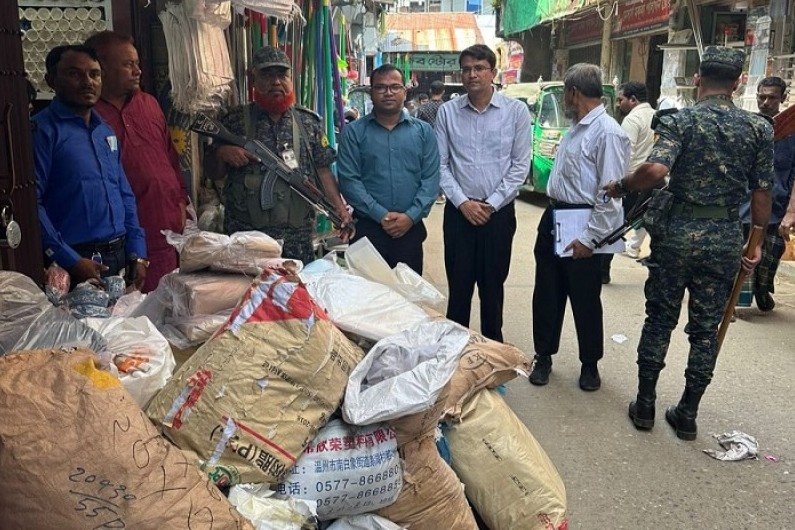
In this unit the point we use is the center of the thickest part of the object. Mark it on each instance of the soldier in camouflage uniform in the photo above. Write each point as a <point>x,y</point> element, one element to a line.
<point>715,152</point>
<point>252,202</point>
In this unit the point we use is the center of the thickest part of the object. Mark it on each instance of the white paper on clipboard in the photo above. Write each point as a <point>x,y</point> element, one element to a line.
<point>570,224</point>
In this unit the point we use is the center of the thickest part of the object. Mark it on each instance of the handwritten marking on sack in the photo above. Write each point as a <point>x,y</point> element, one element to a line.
<point>99,497</point>
<point>165,478</point>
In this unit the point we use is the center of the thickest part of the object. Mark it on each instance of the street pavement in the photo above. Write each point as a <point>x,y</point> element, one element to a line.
<point>620,478</point>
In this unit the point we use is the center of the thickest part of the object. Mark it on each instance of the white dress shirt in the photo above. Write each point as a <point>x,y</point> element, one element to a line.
<point>483,155</point>
<point>637,125</point>
<point>593,152</point>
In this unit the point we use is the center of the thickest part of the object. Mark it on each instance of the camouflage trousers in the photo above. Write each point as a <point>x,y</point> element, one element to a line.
<point>701,256</point>
<point>297,240</point>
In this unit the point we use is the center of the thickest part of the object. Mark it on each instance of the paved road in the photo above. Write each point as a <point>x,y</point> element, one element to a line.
<point>620,478</point>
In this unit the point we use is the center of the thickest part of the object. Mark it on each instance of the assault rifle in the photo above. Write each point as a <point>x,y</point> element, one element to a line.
<point>272,164</point>
<point>632,221</point>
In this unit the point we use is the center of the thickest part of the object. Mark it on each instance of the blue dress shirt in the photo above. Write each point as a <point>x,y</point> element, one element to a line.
<point>83,194</point>
<point>383,171</point>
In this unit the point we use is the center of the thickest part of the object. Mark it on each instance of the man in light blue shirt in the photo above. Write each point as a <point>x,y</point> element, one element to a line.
<point>388,169</point>
<point>594,151</point>
<point>484,149</point>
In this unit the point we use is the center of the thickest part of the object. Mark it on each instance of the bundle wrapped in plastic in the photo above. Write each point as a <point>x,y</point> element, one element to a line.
<point>242,252</point>
<point>189,308</point>
<point>28,320</point>
<point>367,521</point>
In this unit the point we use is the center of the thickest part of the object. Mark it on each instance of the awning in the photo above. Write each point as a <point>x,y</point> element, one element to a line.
<point>519,15</point>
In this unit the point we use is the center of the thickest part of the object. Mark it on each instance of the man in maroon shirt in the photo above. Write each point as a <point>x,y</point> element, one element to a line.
<point>147,154</point>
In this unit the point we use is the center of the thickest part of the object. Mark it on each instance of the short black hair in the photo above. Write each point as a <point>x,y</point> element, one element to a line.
<point>635,89</point>
<point>479,52</point>
<point>437,88</point>
<point>422,95</point>
<point>55,55</point>
<point>719,73</point>
<point>385,69</point>
<point>774,81</point>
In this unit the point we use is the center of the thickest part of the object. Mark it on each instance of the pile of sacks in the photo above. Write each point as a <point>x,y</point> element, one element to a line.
<point>283,411</point>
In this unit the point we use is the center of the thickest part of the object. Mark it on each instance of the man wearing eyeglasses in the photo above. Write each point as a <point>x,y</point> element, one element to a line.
<point>295,133</point>
<point>389,172</point>
<point>484,149</point>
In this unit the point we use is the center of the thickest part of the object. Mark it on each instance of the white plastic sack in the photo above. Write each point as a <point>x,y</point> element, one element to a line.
<point>347,470</point>
<point>366,308</point>
<point>404,374</point>
<point>366,521</point>
<point>364,260</point>
<point>269,511</point>
<point>141,354</point>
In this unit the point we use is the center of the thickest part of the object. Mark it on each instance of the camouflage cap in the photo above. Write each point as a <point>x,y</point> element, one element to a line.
<point>721,54</point>
<point>269,56</point>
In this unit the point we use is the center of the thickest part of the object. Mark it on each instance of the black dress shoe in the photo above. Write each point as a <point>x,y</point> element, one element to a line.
<point>605,278</point>
<point>541,369</point>
<point>589,378</point>
<point>764,301</point>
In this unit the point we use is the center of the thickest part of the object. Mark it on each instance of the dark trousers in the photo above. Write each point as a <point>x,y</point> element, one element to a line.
<point>478,255</point>
<point>558,280</point>
<point>406,249</point>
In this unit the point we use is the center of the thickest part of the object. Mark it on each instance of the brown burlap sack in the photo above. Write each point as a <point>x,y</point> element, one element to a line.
<point>509,478</point>
<point>484,364</point>
<point>249,401</point>
<point>432,497</point>
<point>77,452</point>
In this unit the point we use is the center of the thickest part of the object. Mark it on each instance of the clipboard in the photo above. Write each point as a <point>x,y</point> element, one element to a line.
<point>569,225</point>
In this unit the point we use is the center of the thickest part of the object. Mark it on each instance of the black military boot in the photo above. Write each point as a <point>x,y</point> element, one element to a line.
<point>641,411</point>
<point>683,416</point>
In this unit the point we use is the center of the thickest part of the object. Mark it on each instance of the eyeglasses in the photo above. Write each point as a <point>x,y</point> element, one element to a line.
<point>382,89</point>
<point>477,69</point>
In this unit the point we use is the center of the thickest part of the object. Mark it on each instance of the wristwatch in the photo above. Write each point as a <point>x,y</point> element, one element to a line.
<point>138,259</point>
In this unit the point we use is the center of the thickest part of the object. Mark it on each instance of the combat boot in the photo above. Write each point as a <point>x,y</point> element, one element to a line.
<point>683,416</point>
<point>641,411</point>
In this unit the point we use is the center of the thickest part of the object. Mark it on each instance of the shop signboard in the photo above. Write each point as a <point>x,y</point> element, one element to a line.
<point>582,30</point>
<point>640,16</point>
<point>433,62</point>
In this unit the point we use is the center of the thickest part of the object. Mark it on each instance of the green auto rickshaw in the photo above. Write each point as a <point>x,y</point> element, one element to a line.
<point>549,123</point>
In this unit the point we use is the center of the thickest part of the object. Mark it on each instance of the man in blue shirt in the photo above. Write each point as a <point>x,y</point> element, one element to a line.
<point>388,167</point>
<point>86,207</point>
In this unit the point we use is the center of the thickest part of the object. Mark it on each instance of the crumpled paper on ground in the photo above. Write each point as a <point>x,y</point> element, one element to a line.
<point>738,445</point>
